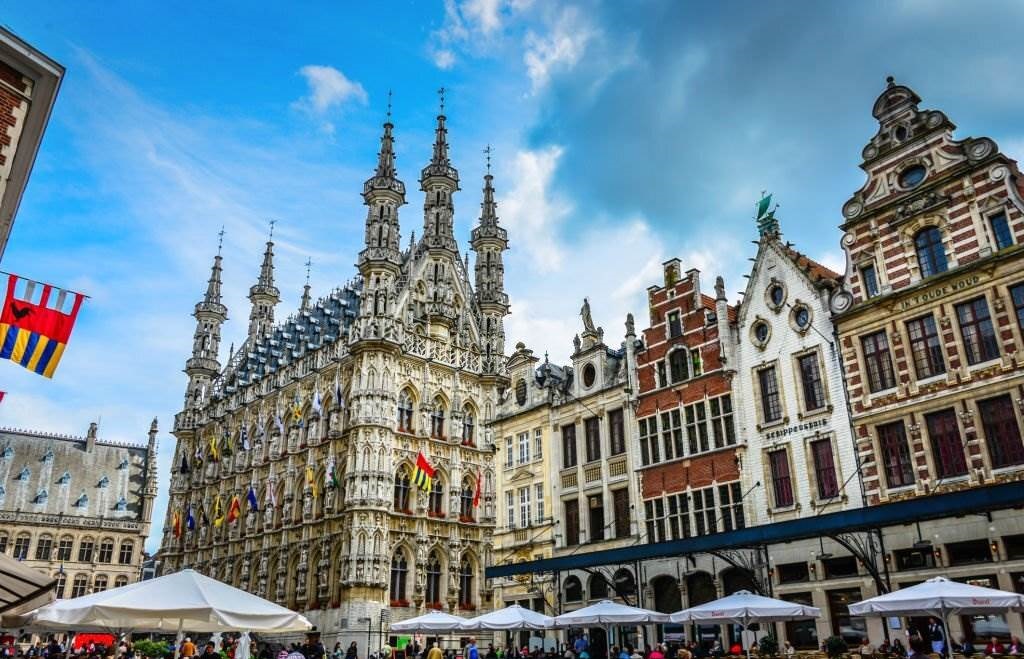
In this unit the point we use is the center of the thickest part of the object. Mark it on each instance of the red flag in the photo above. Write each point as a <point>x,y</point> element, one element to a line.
<point>234,510</point>
<point>35,323</point>
<point>476,495</point>
<point>2,394</point>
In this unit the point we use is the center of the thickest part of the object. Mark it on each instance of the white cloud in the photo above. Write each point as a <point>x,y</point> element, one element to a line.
<point>485,15</point>
<point>559,50</point>
<point>532,213</point>
<point>834,260</point>
<point>328,88</point>
<point>444,59</point>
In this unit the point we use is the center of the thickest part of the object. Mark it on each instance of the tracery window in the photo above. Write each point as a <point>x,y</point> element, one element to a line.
<point>405,412</point>
<point>436,505</point>
<point>402,491</point>
<point>465,584</point>
<point>433,592</point>
<point>399,578</point>
<point>466,501</point>
<point>468,427</point>
<point>437,419</point>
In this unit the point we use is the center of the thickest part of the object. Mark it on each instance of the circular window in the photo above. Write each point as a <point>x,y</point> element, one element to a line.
<point>761,331</point>
<point>521,392</point>
<point>900,133</point>
<point>776,295</point>
<point>912,176</point>
<point>589,374</point>
<point>802,317</point>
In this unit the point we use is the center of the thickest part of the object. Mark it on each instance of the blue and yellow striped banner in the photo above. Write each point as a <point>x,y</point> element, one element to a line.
<point>34,351</point>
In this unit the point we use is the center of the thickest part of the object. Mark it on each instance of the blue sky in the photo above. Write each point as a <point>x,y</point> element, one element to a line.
<point>624,134</point>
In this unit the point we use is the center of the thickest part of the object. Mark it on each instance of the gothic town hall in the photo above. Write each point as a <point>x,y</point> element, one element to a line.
<point>293,476</point>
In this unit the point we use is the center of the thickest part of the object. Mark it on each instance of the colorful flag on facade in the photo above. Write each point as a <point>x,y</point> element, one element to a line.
<point>36,323</point>
<point>476,494</point>
<point>218,513</point>
<point>332,474</point>
<point>190,521</point>
<point>225,444</point>
<point>214,452</point>
<point>279,422</point>
<point>423,473</point>
<point>311,481</point>
<point>234,509</point>
<point>251,497</point>
<point>2,394</point>
<point>197,457</point>
<point>176,523</point>
<point>297,410</point>
<point>316,401</point>
<point>338,401</point>
<point>271,494</point>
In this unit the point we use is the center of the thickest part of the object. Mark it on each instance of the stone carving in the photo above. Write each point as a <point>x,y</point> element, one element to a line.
<point>588,320</point>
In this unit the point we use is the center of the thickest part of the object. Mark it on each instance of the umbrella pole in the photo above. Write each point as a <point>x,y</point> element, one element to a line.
<point>947,647</point>
<point>178,639</point>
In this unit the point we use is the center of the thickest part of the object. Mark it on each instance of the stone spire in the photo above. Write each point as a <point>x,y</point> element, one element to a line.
<point>439,180</point>
<point>383,194</point>
<point>306,304</point>
<point>489,241</point>
<point>210,314</point>
<point>264,295</point>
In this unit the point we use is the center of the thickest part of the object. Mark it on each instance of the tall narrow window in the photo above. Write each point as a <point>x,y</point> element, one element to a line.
<point>675,327</point>
<point>925,347</point>
<point>399,578</point>
<point>538,444</point>
<point>401,498</point>
<point>931,256</point>
<point>811,382</point>
<point>465,585</point>
<point>435,506</point>
<point>106,552</point>
<point>44,547</point>
<point>524,507</point>
<point>433,594</point>
<point>771,402</point>
<point>437,420</point>
<point>705,516</point>
<point>870,281</point>
<point>595,506</point>
<point>895,458</point>
<point>510,509</point>
<point>947,447</point>
<point>1001,230</point>
<point>620,507</point>
<point>569,446</point>
<point>21,548</point>
<point>679,526</point>
<point>672,434</point>
<point>85,551</point>
<point>697,427</point>
<point>79,585</point>
<point>1002,433</point>
<point>510,456</point>
<point>524,447</point>
<point>466,501</point>
<point>616,432</point>
<point>592,430</point>
<point>654,513</point>
<point>572,522</point>
<point>979,337</point>
<point>824,469</point>
<point>538,502</point>
<point>62,580</point>
<point>126,553</point>
<point>877,362</point>
<point>404,412</point>
<point>649,450</point>
<point>468,427</point>
<point>1017,293</point>
<point>782,483</point>
<point>64,549</point>
<point>678,365</point>
<point>662,374</point>
<point>730,502</point>
<point>722,424</point>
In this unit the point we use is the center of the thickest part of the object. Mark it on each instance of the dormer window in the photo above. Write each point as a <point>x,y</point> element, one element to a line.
<point>104,482</point>
<point>48,456</point>
<point>82,501</point>
<point>24,474</point>
<point>7,453</point>
<point>912,176</point>
<point>123,464</point>
<point>121,504</point>
<point>64,479</point>
<point>41,497</point>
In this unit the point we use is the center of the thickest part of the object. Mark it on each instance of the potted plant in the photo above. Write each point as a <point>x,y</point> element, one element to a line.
<point>768,647</point>
<point>835,647</point>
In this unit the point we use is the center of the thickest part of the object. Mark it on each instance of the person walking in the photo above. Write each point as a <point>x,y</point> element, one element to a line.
<point>353,651</point>
<point>937,636</point>
<point>435,652</point>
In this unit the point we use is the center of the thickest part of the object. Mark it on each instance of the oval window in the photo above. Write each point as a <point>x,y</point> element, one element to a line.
<point>761,332</point>
<point>777,295</point>
<point>589,375</point>
<point>912,176</point>
<point>802,317</point>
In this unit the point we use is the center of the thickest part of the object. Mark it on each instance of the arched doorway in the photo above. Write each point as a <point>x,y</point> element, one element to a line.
<point>700,589</point>
<point>668,599</point>
<point>735,579</point>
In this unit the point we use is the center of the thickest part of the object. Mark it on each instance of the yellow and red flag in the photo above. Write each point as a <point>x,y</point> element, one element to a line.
<point>176,524</point>
<point>476,493</point>
<point>423,473</point>
<point>36,323</point>
<point>234,510</point>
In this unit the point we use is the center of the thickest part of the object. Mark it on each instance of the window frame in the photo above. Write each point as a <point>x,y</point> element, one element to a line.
<point>592,438</point>
<point>825,475</point>
<point>770,407</point>
<point>1009,456</point>
<point>780,474</point>
<point>925,346</point>
<point>878,368</point>
<point>895,444</point>
<point>869,285</point>
<point>820,387</point>
<point>569,446</point>
<point>945,440</point>
<point>616,431</point>
<point>997,241</point>
<point>930,253</point>
<point>983,344</point>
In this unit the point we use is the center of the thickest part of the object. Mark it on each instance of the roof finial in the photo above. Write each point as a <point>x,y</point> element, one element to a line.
<point>272,223</point>
<point>440,93</point>
<point>488,151</point>
<point>309,264</point>
<point>220,239</point>
<point>890,81</point>
<point>389,106</point>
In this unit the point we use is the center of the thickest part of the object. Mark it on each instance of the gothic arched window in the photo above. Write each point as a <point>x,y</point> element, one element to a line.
<point>468,428</point>
<point>437,419</point>
<point>598,587</point>
<point>573,590</point>
<point>465,584</point>
<point>931,257</point>
<point>399,574</point>
<point>466,501</point>
<point>436,507</point>
<point>433,594</point>
<point>677,366</point>
<point>405,411</point>
<point>402,491</point>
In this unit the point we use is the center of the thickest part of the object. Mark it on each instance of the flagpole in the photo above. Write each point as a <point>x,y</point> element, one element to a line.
<point>43,283</point>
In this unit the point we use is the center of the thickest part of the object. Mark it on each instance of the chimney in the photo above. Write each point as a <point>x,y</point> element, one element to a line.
<point>90,437</point>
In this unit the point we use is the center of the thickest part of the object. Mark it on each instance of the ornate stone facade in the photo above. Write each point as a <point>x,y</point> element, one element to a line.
<point>78,508</point>
<point>322,417</point>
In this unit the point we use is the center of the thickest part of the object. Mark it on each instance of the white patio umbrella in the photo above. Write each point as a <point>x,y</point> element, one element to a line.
<point>510,618</point>
<point>744,608</point>
<point>607,613</point>
<point>434,621</point>
<point>941,598</point>
<point>178,601</point>
<point>22,588</point>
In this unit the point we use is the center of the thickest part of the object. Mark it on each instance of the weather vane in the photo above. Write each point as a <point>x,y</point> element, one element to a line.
<point>309,264</point>
<point>220,239</point>
<point>487,151</point>
<point>440,92</point>
<point>389,106</point>
<point>272,223</point>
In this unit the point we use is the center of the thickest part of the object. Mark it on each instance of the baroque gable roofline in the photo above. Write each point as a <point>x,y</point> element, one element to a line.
<point>39,434</point>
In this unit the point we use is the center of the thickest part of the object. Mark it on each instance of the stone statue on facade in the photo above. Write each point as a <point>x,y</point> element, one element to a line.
<point>588,320</point>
